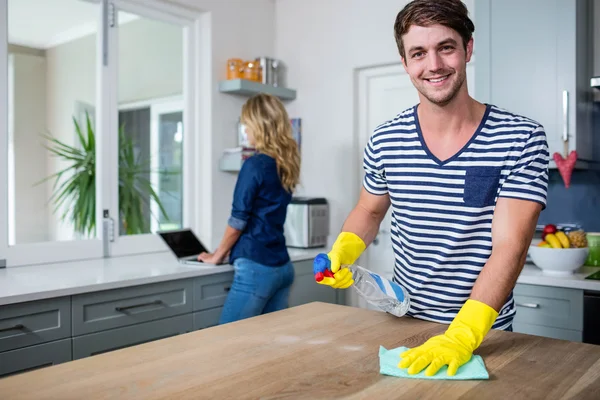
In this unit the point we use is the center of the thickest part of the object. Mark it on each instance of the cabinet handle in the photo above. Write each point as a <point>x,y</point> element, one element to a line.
<point>17,327</point>
<point>565,99</point>
<point>125,308</point>
<point>227,289</point>
<point>528,305</point>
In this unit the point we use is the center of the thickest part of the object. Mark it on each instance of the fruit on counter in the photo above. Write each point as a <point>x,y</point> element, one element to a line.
<point>550,228</point>
<point>553,241</point>
<point>578,239</point>
<point>563,239</point>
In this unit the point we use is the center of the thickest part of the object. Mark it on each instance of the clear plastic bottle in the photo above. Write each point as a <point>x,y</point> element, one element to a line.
<point>379,291</point>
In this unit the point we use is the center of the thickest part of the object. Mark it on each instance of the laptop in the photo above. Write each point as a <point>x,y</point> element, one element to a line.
<point>184,244</point>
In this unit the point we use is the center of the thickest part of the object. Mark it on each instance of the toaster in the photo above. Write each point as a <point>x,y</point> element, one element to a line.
<point>307,222</point>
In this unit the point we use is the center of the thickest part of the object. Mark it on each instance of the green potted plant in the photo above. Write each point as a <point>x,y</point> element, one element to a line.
<point>74,188</point>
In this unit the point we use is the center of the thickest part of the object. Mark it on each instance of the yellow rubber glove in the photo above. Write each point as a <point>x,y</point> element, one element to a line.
<point>345,251</point>
<point>455,347</point>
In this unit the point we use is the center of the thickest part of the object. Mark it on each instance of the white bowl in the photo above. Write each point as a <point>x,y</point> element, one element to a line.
<point>558,262</point>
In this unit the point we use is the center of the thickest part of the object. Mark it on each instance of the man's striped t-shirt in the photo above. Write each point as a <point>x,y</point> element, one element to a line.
<point>442,210</point>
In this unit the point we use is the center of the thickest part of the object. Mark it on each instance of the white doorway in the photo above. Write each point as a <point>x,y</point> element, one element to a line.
<point>383,92</point>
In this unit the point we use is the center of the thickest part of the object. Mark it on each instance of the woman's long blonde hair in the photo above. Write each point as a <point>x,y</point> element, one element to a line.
<point>270,125</point>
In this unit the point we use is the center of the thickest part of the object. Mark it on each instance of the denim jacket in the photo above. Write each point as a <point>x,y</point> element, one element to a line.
<point>259,210</point>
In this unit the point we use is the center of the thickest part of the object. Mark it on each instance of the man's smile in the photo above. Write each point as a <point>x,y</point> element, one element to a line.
<point>437,81</point>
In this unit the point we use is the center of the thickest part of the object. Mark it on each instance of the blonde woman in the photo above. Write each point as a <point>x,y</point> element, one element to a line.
<point>254,234</point>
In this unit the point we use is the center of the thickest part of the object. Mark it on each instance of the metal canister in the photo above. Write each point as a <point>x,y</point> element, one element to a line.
<point>270,70</point>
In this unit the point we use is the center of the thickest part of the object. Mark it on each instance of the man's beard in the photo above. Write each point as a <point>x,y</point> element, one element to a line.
<point>441,99</point>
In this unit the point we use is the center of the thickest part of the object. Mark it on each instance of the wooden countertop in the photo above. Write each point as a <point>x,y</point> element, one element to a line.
<point>312,351</point>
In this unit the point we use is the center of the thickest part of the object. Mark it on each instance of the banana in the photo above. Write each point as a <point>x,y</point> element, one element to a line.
<point>563,239</point>
<point>553,241</point>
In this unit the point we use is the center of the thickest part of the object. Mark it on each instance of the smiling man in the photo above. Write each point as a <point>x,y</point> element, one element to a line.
<point>466,182</point>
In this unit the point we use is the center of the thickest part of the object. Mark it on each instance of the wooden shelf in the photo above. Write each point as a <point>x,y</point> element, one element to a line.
<point>250,88</point>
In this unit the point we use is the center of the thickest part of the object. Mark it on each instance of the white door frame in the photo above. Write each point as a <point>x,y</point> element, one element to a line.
<point>156,110</point>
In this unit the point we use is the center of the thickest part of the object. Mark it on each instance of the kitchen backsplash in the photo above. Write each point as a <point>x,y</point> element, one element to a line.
<point>580,203</point>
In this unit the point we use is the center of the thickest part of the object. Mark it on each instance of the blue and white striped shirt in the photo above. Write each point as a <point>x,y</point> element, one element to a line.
<point>442,210</point>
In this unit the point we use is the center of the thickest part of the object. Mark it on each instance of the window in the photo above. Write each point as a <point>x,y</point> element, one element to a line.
<point>100,111</point>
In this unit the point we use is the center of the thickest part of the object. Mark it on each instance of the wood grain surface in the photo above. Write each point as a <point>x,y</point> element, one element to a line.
<point>314,351</point>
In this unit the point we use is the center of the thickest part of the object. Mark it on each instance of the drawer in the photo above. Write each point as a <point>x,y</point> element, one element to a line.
<point>207,318</point>
<point>211,291</point>
<point>95,312</point>
<point>115,339</point>
<point>548,331</point>
<point>31,323</point>
<point>549,306</point>
<point>34,357</point>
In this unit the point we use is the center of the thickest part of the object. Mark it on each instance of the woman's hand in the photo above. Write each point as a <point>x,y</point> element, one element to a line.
<point>212,258</point>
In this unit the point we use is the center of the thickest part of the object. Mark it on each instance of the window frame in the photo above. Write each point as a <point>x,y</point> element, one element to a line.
<point>140,244</point>
<point>197,168</point>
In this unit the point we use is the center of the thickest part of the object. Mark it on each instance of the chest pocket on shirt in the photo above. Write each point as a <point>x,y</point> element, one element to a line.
<point>481,185</point>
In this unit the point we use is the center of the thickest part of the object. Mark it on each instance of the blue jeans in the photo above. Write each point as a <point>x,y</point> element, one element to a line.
<point>257,289</point>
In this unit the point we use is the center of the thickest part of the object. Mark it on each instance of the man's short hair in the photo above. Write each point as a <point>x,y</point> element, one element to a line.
<point>450,13</point>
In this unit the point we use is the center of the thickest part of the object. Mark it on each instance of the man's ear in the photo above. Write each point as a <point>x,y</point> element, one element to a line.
<point>469,49</point>
<point>404,64</point>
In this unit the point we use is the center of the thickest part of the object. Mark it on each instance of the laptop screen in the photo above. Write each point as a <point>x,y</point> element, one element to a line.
<point>183,242</point>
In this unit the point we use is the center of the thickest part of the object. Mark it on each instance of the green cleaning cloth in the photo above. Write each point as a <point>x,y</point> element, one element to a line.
<point>389,359</point>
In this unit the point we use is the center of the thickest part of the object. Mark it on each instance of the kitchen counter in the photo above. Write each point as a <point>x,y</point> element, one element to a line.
<point>316,350</point>
<point>21,284</point>
<point>532,275</point>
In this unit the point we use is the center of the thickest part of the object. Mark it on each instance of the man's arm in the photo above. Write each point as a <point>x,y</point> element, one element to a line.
<point>359,230</point>
<point>364,220</point>
<point>513,227</point>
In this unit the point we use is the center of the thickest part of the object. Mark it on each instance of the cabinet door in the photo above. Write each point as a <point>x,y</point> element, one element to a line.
<point>549,306</point>
<point>114,339</point>
<point>207,318</point>
<point>210,291</point>
<point>34,357</point>
<point>547,331</point>
<point>524,62</point>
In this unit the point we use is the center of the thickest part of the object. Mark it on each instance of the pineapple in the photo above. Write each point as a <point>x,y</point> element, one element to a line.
<point>578,239</point>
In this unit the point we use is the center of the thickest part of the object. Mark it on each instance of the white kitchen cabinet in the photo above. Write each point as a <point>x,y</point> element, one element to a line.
<point>534,58</point>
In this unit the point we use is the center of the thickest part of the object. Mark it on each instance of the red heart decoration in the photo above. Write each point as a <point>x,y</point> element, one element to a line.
<point>565,167</point>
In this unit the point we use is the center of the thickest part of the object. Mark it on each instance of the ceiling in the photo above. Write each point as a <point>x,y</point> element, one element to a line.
<point>44,24</point>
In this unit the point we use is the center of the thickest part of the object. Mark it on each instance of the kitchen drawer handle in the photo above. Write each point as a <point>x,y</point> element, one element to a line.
<point>125,308</point>
<point>227,288</point>
<point>528,305</point>
<point>17,327</point>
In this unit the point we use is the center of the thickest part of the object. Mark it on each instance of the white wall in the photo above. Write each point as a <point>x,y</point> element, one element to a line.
<point>29,156</point>
<point>241,29</point>
<point>322,51</point>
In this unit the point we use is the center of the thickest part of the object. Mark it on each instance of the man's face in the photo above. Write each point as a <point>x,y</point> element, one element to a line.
<point>436,61</point>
